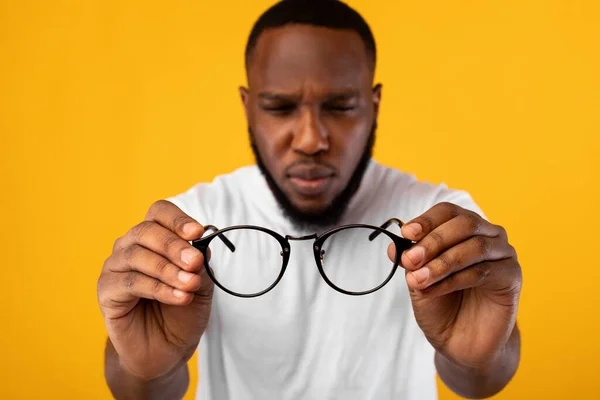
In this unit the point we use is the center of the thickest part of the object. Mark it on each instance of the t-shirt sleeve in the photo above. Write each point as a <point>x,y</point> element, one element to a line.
<point>459,197</point>
<point>420,196</point>
<point>194,202</point>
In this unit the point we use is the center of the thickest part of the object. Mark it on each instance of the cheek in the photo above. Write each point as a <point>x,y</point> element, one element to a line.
<point>273,139</point>
<point>348,140</point>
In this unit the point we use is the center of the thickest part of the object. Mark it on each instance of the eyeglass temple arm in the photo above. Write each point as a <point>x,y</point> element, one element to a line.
<point>221,236</point>
<point>387,223</point>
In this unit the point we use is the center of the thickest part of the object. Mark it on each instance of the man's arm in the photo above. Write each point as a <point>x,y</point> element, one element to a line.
<point>124,385</point>
<point>480,383</point>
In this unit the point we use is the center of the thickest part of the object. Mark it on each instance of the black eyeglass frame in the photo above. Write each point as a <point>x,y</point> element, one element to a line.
<point>401,244</point>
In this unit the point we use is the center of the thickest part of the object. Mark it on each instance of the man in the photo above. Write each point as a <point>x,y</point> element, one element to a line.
<point>311,106</point>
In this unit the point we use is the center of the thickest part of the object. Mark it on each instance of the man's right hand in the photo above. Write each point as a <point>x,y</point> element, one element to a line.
<point>154,293</point>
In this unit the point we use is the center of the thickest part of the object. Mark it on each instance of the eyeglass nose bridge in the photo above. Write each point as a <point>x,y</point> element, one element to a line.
<point>306,237</point>
<point>313,236</point>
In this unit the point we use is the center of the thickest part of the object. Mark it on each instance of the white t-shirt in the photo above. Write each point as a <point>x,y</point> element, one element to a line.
<point>303,339</point>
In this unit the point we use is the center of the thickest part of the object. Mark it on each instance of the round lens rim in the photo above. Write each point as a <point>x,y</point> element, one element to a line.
<point>400,242</point>
<point>203,243</point>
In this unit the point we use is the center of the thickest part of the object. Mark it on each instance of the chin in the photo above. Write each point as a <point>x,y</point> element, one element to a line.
<point>310,205</point>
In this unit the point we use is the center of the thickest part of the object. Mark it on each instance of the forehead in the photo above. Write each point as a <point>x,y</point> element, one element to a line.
<point>299,56</point>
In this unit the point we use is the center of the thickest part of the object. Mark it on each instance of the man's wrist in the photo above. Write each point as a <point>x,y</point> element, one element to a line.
<point>485,380</point>
<point>124,383</point>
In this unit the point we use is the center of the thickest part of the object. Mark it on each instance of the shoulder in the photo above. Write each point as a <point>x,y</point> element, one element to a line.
<point>412,196</point>
<point>205,200</point>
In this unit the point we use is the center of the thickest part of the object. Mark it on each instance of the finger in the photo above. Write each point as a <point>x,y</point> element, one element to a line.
<point>130,286</point>
<point>392,249</point>
<point>166,243</point>
<point>450,233</point>
<point>472,277</point>
<point>470,252</point>
<point>174,219</point>
<point>420,226</point>
<point>140,259</point>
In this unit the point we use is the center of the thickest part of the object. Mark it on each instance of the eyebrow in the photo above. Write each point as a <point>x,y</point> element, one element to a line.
<point>337,96</point>
<point>276,96</point>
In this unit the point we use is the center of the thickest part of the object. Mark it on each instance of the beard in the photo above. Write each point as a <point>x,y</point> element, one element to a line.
<point>332,213</point>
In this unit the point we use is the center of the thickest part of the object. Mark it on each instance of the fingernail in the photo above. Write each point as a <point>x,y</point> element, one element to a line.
<point>421,275</point>
<point>184,276</point>
<point>415,229</point>
<point>178,293</point>
<point>189,228</point>
<point>416,255</point>
<point>189,254</point>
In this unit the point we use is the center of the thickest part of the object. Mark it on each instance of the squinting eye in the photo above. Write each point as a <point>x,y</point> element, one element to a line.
<point>340,108</point>
<point>279,110</point>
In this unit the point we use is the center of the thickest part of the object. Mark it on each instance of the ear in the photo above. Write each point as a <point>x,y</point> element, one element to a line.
<point>245,96</point>
<point>376,100</point>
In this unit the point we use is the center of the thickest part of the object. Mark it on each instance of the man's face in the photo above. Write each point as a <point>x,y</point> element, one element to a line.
<point>311,112</point>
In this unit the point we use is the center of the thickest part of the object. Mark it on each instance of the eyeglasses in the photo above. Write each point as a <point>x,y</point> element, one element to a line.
<point>249,261</point>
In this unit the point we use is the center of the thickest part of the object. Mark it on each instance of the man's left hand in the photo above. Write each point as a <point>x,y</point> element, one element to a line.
<point>464,281</point>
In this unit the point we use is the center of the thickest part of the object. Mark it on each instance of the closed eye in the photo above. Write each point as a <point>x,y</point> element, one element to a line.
<point>339,108</point>
<point>280,109</point>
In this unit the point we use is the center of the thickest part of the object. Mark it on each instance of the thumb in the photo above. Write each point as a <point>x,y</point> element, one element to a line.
<point>202,303</point>
<point>415,294</point>
<point>391,252</point>
<point>207,286</point>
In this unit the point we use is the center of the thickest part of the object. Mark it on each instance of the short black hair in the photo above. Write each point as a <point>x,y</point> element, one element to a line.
<point>333,14</point>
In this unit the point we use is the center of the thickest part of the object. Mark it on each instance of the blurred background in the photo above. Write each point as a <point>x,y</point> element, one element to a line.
<point>107,106</point>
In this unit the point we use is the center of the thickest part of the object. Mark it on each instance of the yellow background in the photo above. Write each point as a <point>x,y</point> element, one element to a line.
<point>106,106</point>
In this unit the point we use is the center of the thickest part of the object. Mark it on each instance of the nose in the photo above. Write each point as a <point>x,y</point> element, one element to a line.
<point>310,136</point>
